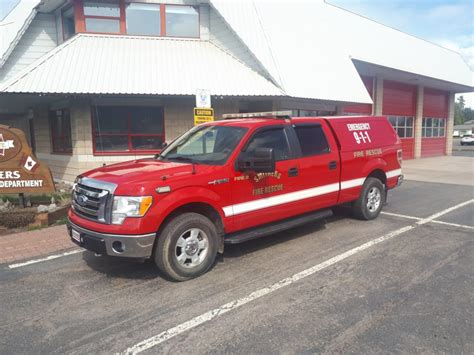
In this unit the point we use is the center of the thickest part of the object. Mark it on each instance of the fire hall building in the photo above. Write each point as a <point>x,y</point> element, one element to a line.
<point>97,82</point>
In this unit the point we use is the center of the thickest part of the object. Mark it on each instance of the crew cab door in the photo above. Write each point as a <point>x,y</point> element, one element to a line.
<point>260,198</point>
<point>319,164</point>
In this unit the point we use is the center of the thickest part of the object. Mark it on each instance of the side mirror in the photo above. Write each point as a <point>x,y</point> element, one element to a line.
<point>261,160</point>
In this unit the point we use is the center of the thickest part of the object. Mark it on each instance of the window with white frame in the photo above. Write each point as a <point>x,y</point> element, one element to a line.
<point>433,127</point>
<point>403,125</point>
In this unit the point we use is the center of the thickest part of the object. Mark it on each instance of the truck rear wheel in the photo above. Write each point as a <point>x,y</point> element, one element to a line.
<point>187,247</point>
<point>370,201</point>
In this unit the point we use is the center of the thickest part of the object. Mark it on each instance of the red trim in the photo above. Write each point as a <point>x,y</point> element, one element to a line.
<point>123,25</point>
<point>120,19</point>
<point>80,19</point>
<point>129,136</point>
<point>162,20</point>
<point>79,16</point>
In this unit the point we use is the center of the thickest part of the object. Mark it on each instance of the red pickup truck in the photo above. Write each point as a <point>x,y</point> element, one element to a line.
<point>233,180</point>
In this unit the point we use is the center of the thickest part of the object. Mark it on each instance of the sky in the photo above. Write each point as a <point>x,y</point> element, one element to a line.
<point>449,23</point>
<point>6,6</point>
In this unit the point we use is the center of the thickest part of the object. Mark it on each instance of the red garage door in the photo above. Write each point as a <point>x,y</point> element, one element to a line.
<point>362,109</point>
<point>399,104</point>
<point>435,113</point>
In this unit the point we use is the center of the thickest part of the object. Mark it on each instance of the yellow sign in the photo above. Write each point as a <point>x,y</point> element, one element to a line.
<point>203,115</point>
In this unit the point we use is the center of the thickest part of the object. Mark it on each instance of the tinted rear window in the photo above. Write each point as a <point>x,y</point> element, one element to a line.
<point>312,140</point>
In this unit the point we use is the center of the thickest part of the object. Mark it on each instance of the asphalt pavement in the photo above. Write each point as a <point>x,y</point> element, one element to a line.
<point>462,150</point>
<point>403,283</point>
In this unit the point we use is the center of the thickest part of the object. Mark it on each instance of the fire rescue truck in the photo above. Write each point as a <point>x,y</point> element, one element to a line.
<point>230,181</point>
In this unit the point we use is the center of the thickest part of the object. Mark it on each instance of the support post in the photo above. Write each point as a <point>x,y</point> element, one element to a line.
<point>418,121</point>
<point>378,96</point>
<point>450,125</point>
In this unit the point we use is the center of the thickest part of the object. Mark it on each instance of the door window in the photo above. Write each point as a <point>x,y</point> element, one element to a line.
<point>272,138</point>
<point>312,140</point>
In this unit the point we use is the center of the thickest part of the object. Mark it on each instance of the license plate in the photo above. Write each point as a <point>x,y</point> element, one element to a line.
<point>76,236</point>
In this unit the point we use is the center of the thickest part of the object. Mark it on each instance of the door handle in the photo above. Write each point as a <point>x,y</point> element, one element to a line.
<point>293,172</point>
<point>332,165</point>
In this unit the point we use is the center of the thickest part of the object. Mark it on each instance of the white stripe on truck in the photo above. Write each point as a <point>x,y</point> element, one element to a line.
<point>255,205</point>
<point>393,173</point>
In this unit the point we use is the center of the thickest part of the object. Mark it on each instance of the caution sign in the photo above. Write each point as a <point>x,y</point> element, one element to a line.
<point>203,115</point>
<point>20,170</point>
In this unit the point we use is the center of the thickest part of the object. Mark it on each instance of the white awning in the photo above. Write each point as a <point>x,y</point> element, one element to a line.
<point>309,45</point>
<point>103,64</point>
<point>13,26</point>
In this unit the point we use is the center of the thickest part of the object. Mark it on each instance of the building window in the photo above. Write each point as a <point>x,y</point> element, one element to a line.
<point>60,126</point>
<point>312,140</point>
<point>182,21</point>
<point>433,127</point>
<point>143,19</point>
<point>128,129</point>
<point>403,125</point>
<point>102,17</point>
<point>134,18</point>
<point>69,23</point>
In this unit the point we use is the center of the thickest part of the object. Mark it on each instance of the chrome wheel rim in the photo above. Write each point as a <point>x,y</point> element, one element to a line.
<point>192,248</point>
<point>374,198</point>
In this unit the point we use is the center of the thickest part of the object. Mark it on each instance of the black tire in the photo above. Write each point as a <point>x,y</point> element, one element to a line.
<point>360,208</point>
<point>166,248</point>
<point>462,143</point>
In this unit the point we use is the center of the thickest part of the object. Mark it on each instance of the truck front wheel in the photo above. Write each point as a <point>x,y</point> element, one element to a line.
<point>370,201</point>
<point>187,247</point>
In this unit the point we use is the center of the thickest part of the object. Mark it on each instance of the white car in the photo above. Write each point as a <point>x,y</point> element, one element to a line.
<point>467,140</point>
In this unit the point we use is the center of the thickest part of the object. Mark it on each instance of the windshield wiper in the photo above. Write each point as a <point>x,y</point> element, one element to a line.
<point>184,159</point>
<point>181,158</point>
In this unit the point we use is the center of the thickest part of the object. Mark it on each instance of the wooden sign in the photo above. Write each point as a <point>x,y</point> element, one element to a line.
<point>20,170</point>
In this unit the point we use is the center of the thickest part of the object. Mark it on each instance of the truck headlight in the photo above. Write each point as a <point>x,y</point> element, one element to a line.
<point>129,206</point>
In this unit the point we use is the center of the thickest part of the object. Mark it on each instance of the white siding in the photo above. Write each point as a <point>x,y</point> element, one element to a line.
<point>222,35</point>
<point>39,39</point>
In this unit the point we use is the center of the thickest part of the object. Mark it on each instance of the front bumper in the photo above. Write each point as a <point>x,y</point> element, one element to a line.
<point>131,246</point>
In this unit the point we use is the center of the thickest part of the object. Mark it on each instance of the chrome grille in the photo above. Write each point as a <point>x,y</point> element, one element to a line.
<point>92,199</point>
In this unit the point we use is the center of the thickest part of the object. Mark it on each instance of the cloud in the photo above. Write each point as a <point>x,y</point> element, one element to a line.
<point>465,49</point>
<point>449,11</point>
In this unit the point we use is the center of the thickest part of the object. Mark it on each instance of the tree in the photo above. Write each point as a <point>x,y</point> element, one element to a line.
<point>468,114</point>
<point>459,111</point>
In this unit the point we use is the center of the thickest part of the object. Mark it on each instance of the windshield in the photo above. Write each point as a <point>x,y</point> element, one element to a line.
<point>205,145</point>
